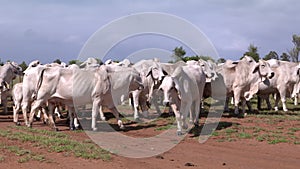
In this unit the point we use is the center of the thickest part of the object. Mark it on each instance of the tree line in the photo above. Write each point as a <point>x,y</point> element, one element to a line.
<point>291,54</point>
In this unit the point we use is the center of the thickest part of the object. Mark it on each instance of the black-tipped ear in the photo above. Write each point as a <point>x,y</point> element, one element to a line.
<point>256,68</point>
<point>298,72</point>
<point>149,72</point>
<point>164,72</point>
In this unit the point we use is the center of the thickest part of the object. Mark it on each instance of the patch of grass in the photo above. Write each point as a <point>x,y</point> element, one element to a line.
<point>54,142</point>
<point>230,131</point>
<point>167,127</point>
<point>278,140</point>
<point>294,129</point>
<point>244,135</point>
<point>2,158</point>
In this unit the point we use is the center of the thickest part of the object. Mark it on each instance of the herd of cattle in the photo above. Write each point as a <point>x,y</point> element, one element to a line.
<point>181,85</point>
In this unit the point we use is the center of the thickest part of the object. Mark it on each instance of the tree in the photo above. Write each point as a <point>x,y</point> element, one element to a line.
<point>178,53</point>
<point>221,60</point>
<point>294,52</point>
<point>77,62</point>
<point>285,57</point>
<point>57,61</point>
<point>271,55</point>
<point>23,65</point>
<point>252,52</point>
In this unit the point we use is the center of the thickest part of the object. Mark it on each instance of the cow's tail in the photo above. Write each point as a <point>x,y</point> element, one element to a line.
<point>38,86</point>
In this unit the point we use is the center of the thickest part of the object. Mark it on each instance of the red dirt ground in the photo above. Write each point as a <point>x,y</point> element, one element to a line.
<point>242,153</point>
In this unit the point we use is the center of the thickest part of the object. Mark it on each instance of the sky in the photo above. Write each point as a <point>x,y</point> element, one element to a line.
<point>58,29</point>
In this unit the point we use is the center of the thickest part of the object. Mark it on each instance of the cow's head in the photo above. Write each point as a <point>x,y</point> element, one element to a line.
<point>157,74</point>
<point>136,82</point>
<point>208,69</point>
<point>17,70</point>
<point>264,69</point>
<point>170,89</point>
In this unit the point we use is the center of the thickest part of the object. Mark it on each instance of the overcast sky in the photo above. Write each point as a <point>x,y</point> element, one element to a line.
<point>58,29</point>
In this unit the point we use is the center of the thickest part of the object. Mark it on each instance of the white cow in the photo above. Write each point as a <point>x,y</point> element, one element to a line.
<point>242,79</point>
<point>8,72</point>
<point>284,83</point>
<point>78,87</point>
<point>183,91</point>
<point>152,74</point>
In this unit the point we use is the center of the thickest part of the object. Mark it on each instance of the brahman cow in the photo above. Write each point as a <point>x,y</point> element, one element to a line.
<point>183,92</point>
<point>8,72</point>
<point>284,83</point>
<point>242,79</point>
<point>79,87</point>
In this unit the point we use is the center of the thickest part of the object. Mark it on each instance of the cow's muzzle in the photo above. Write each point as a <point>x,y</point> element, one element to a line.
<point>166,103</point>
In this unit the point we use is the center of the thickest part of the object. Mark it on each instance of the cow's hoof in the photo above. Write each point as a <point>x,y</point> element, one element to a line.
<point>191,121</point>
<point>56,129</point>
<point>196,124</point>
<point>179,133</point>
<point>122,127</point>
<point>95,129</point>
<point>29,125</point>
<point>103,118</point>
<point>138,120</point>
<point>276,108</point>
<point>185,126</point>
<point>285,110</point>
<point>18,123</point>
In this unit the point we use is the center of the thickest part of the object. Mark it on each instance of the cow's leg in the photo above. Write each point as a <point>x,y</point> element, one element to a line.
<point>249,106</point>
<point>178,118</point>
<point>45,115</point>
<point>51,108</point>
<point>95,112</point>
<point>283,99</point>
<point>296,100</point>
<point>268,103</point>
<point>244,102</point>
<point>135,99</point>
<point>226,109</point>
<point>102,117</point>
<point>237,97</point>
<point>155,102</point>
<point>115,112</point>
<point>259,100</point>
<point>197,112</point>
<point>186,106</point>
<point>277,99</point>
<point>4,103</point>
<point>34,108</point>
<point>71,118</point>
<point>24,111</point>
<point>16,109</point>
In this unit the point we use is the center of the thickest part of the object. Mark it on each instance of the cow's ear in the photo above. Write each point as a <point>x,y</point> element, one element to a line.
<point>255,68</point>
<point>149,72</point>
<point>164,72</point>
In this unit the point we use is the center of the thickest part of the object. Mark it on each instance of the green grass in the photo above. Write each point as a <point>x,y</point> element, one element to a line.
<point>167,127</point>
<point>294,129</point>
<point>56,142</point>
<point>24,154</point>
<point>244,135</point>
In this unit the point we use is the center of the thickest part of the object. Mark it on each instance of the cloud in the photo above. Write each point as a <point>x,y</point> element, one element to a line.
<point>59,28</point>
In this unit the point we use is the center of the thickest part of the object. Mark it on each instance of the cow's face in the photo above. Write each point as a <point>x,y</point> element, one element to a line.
<point>168,87</point>
<point>136,83</point>
<point>157,74</point>
<point>264,69</point>
<point>207,69</point>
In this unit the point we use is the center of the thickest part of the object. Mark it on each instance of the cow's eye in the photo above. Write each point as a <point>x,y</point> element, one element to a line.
<point>263,66</point>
